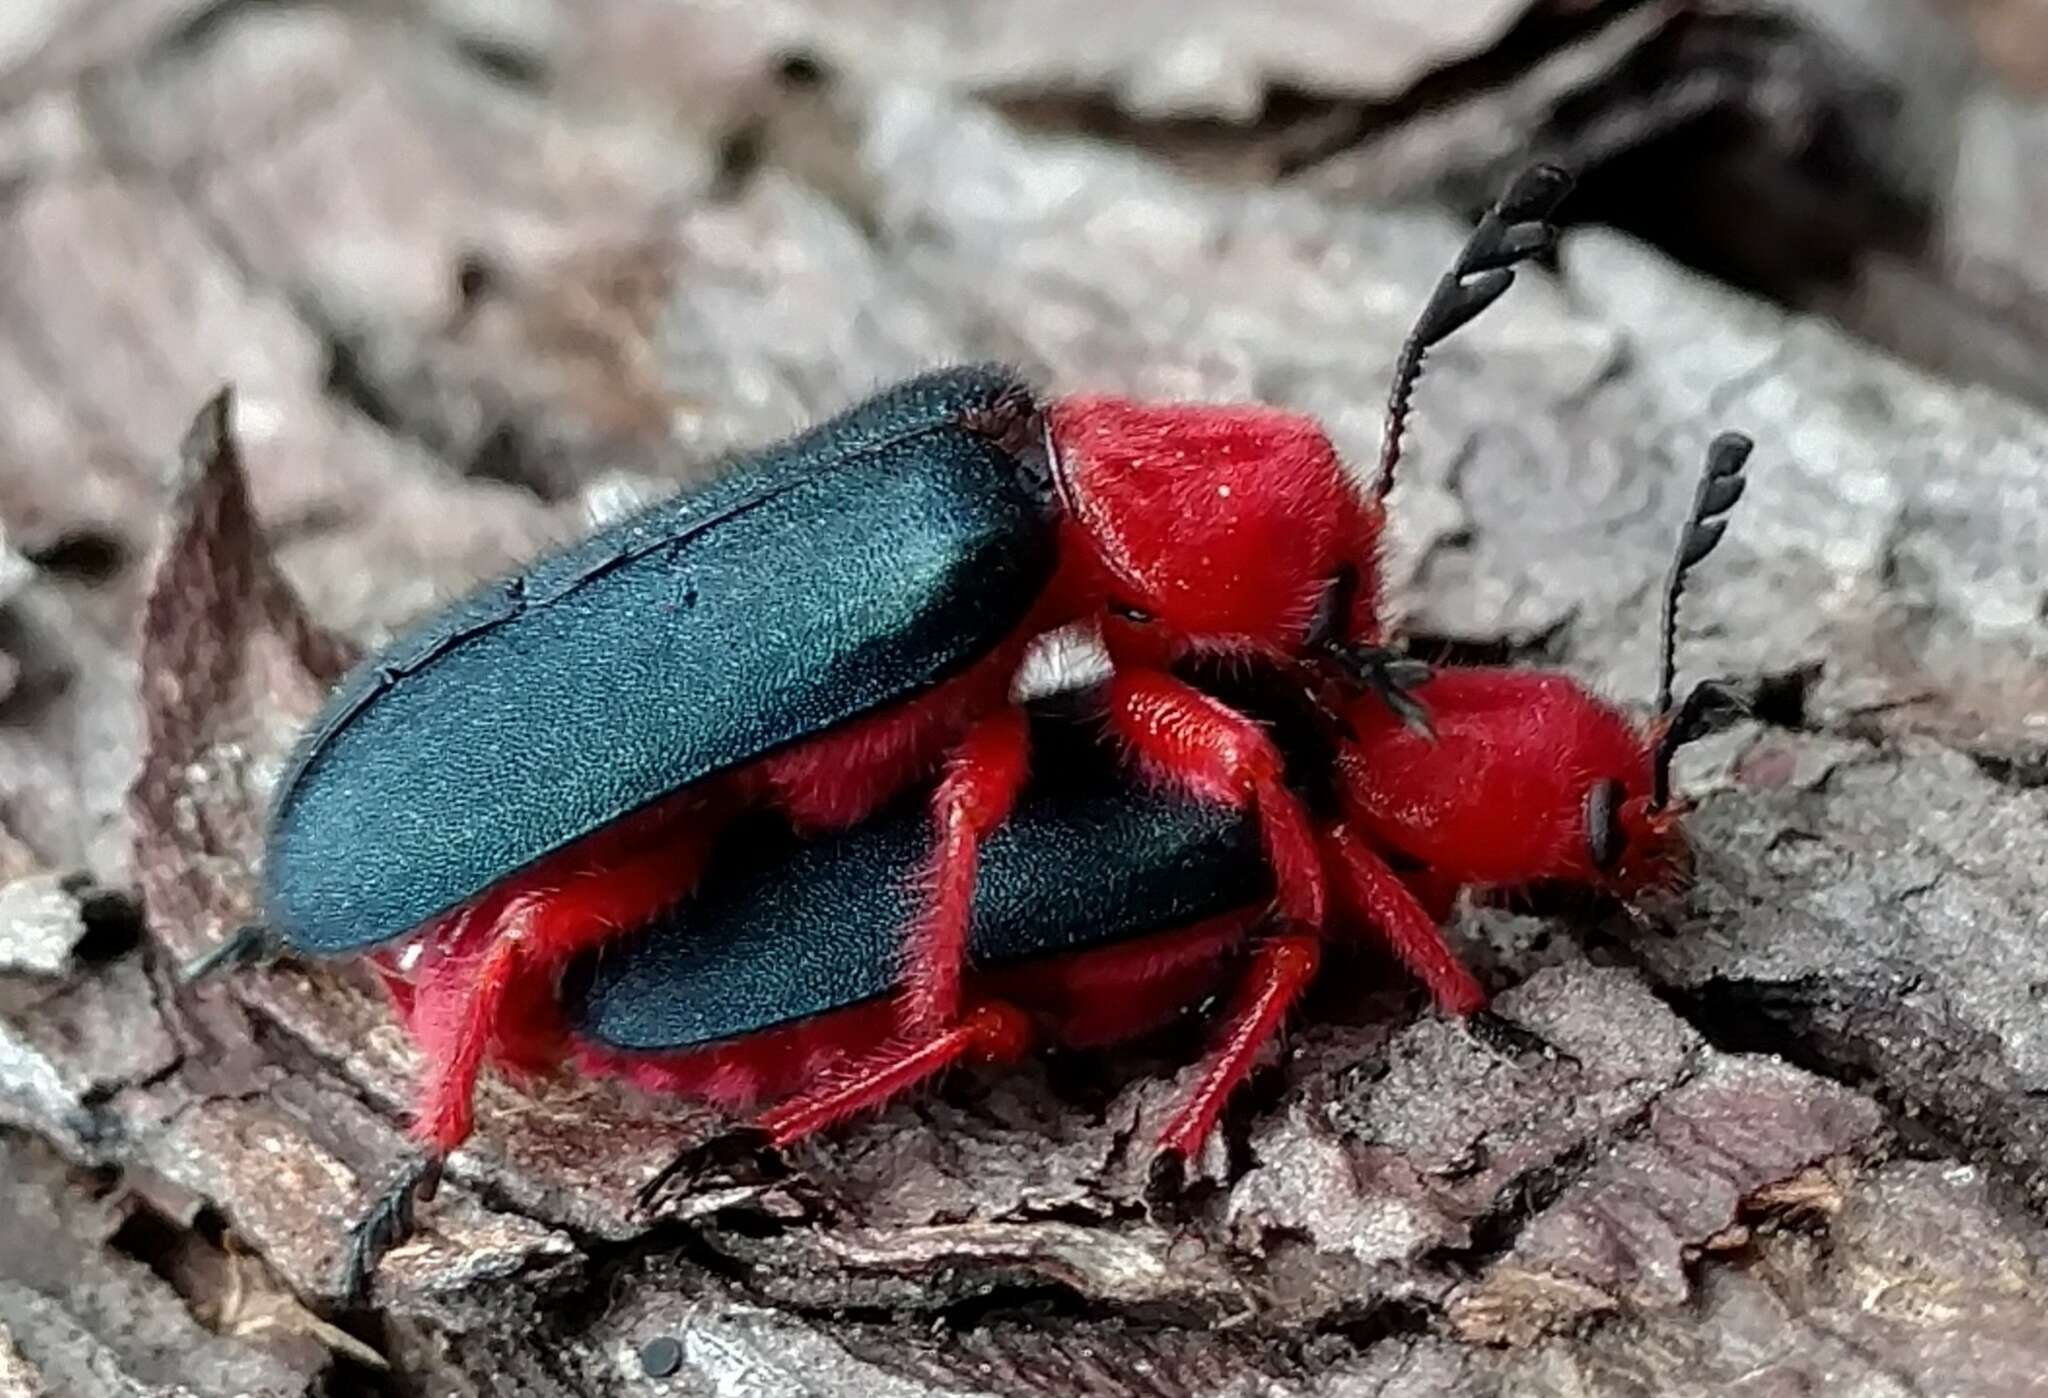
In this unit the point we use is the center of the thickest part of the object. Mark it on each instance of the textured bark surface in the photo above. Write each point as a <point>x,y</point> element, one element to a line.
<point>478,273</point>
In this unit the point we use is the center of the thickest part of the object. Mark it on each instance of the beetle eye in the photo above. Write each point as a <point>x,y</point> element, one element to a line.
<point>1129,612</point>
<point>1604,840</point>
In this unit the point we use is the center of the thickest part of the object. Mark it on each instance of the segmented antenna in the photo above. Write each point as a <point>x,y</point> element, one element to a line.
<point>1721,485</point>
<point>1514,230</point>
<point>1713,704</point>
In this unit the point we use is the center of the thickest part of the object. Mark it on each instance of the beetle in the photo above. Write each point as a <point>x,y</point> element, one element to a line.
<point>1527,777</point>
<point>551,758</point>
<point>1106,905</point>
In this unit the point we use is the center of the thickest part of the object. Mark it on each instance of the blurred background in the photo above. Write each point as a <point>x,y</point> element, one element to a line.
<point>482,271</point>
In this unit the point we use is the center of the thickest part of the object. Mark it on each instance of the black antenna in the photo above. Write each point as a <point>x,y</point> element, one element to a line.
<point>1713,704</point>
<point>1720,486</point>
<point>1515,229</point>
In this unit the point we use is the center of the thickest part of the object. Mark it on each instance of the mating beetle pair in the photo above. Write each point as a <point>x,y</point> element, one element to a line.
<point>551,761</point>
<point>1106,904</point>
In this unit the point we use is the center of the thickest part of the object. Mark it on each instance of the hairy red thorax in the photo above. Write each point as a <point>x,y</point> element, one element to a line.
<point>1213,528</point>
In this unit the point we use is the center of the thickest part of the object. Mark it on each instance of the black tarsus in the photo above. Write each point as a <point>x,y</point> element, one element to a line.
<point>390,1221</point>
<point>1514,230</point>
<point>732,1150</point>
<point>1721,485</point>
<point>648,1196</point>
<point>1393,676</point>
<point>1166,1183</point>
<point>1512,1039</point>
<point>1385,671</point>
<point>245,946</point>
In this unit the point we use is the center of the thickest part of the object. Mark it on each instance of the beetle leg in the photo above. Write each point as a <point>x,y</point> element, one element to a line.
<point>983,777</point>
<point>991,1032</point>
<point>455,1014</point>
<point>1416,938</point>
<point>1204,746</point>
<point>1393,677</point>
<point>458,1007</point>
<point>485,986</point>
<point>454,1008</point>
<point>1281,969</point>
<point>1350,612</point>
<point>1356,641</point>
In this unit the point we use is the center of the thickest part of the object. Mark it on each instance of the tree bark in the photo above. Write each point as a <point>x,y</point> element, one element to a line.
<point>473,282</point>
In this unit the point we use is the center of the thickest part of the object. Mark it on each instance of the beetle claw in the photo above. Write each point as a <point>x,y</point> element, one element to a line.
<point>1393,677</point>
<point>1167,1181</point>
<point>735,1148</point>
<point>648,1196</point>
<point>1409,710</point>
<point>392,1218</point>
<point>1174,1187</point>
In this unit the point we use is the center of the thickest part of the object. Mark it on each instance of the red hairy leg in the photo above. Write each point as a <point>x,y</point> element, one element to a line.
<point>1210,750</point>
<point>990,1032</point>
<point>980,787</point>
<point>486,987</point>
<point>1281,969</point>
<point>481,980</point>
<point>1379,897</point>
<point>1436,891</point>
<point>739,1074</point>
<point>594,904</point>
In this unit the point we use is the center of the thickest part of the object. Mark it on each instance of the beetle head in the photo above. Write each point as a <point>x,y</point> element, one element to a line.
<point>1524,776</point>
